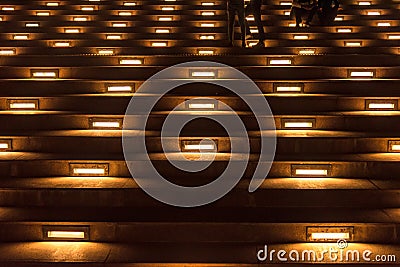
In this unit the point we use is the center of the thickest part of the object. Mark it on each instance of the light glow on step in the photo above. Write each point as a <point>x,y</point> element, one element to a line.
<point>62,44</point>
<point>364,3</point>
<point>311,170</point>
<point>373,13</point>
<point>119,88</point>
<point>80,19</point>
<point>105,51</point>
<point>381,104</point>
<point>307,51</point>
<point>394,36</point>
<point>119,24</point>
<point>159,44</point>
<point>7,8</point>
<point>163,30</point>
<point>207,25</point>
<point>5,145</point>
<point>26,105</point>
<point>205,145</point>
<point>298,124</point>
<point>106,124</point>
<point>43,13</point>
<point>203,73</point>
<point>21,37</point>
<point>207,37</point>
<point>134,61</point>
<point>32,24</point>
<point>46,74</point>
<point>7,52</point>
<point>384,24</point>
<point>66,234</point>
<point>89,169</point>
<point>352,44</point>
<point>130,3</point>
<point>72,30</point>
<point>291,89</point>
<point>52,4</point>
<point>300,37</point>
<point>394,146</point>
<point>329,233</point>
<point>208,13</point>
<point>124,13</point>
<point>165,18</point>
<point>344,30</point>
<point>114,37</point>
<point>279,61</point>
<point>87,8</point>
<point>361,74</point>
<point>207,3</point>
<point>167,8</point>
<point>205,52</point>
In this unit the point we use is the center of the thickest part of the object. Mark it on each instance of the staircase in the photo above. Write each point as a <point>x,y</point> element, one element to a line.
<point>68,69</point>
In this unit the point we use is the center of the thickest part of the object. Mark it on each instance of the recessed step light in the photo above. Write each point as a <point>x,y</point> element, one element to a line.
<point>119,24</point>
<point>207,37</point>
<point>364,3</point>
<point>165,18</point>
<point>353,43</point>
<point>119,88</point>
<point>32,24</point>
<point>307,51</point>
<point>105,124</point>
<point>130,3</point>
<point>207,25</point>
<point>44,74</point>
<point>205,52</point>
<point>300,37</point>
<point>203,73</point>
<point>159,44</point>
<point>43,13</point>
<point>384,24</point>
<point>201,104</point>
<point>80,19</point>
<point>298,124</point>
<point>311,170</point>
<point>344,30</point>
<point>288,87</point>
<point>361,74</point>
<point>131,61</point>
<point>62,44</point>
<point>163,30</point>
<point>5,145</point>
<point>204,146</point>
<point>208,13</point>
<point>125,13</point>
<point>7,8</point>
<point>105,51</point>
<point>329,233</point>
<point>167,8</point>
<point>21,37</point>
<point>87,8</point>
<point>280,61</point>
<point>65,233</point>
<point>7,52</point>
<point>114,37</point>
<point>379,104</point>
<point>394,146</point>
<point>23,104</point>
<point>207,3</point>
<point>89,169</point>
<point>52,4</point>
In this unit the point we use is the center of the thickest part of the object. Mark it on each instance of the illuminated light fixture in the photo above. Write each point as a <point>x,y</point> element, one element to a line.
<point>7,52</point>
<point>207,25</point>
<point>1,18</point>
<point>170,0</point>
<point>394,37</point>
<point>250,18</point>
<point>329,233</point>
<point>285,3</point>
<point>279,61</point>
<point>105,51</point>
<point>130,4</point>
<point>128,61</point>
<point>124,13</point>
<point>43,13</point>
<point>253,30</point>
<point>67,233</point>
<point>21,37</point>
<point>80,19</point>
<point>207,37</point>
<point>23,104</point>
<point>208,13</point>
<point>291,24</point>
<point>200,104</point>
<point>288,88</point>
<point>306,51</point>
<point>87,8</point>
<point>105,123</point>
<point>203,73</point>
<point>361,73</point>
<point>364,3</point>
<point>207,3</point>
<point>390,104</point>
<point>62,44</point>
<point>163,30</point>
<point>5,145</point>
<point>373,13</point>
<point>352,44</point>
<point>286,13</point>
<point>394,146</point>
<point>344,30</point>
<point>339,18</point>
<point>205,145</point>
<point>119,88</point>
<point>44,74</point>
<point>164,18</point>
<point>384,24</point>
<point>252,43</point>
<point>159,44</point>
<point>205,52</point>
<point>311,170</point>
<point>167,8</point>
<point>300,37</point>
<point>114,37</point>
<point>72,30</point>
<point>119,24</point>
<point>7,8</point>
<point>52,4</point>
<point>298,123</point>
<point>31,24</point>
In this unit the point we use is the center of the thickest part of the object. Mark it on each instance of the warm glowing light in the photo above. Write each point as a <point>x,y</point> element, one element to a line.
<point>167,8</point>
<point>72,30</point>
<point>289,89</point>
<point>201,105</point>
<point>300,37</point>
<point>206,52</point>
<point>312,172</point>
<point>280,61</point>
<point>89,171</point>
<point>124,13</point>
<point>44,74</point>
<point>364,3</point>
<point>131,61</point>
<point>207,37</point>
<point>164,18</point>
<point>80,19</point>
<point>23,105</point>
<point>384,24</point>
<point>329,236</point>
<point>344,30</point>
<point>253,30</point>
<point>114,37</point>
<point>119,24</point>
<point>4,145</point>
<point>250,18</point>
<point>43,13</point>
<point>7,52</point>
<point>362,74</point>
<point>286,13</point>
<point>205,145</point>
<point>199,147</point>
<point>207,3</point>
<point>106,124</point>
<point>159,44</point>
<point>394,37</point>
<point>31,24</point>
<point>52,4</point>
<point>207,25</point>
<point>307,52</point>
<point>300,124</point>
<point>130,4</point>
<point>381,106</point>
<point>21,37</point>
<point>285,3</point>
<point>203,74</point>
<point>119,88</point>
<point>163,30</point>
<point>339,18</point>
<point>373,13</point>
<point>352,44</point>
<point>62,44</point>
<point>66,234</point>
<point>87,8</point>
<point>7,8</point>
<point>395,148</point>
<point>207,13</point>
<point>105,51</point>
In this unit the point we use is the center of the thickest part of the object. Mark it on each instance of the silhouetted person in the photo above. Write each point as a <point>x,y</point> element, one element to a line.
<point>302,8</point>
<point>254,8</point>
<point>236,7</point>
<point>328,10</point>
